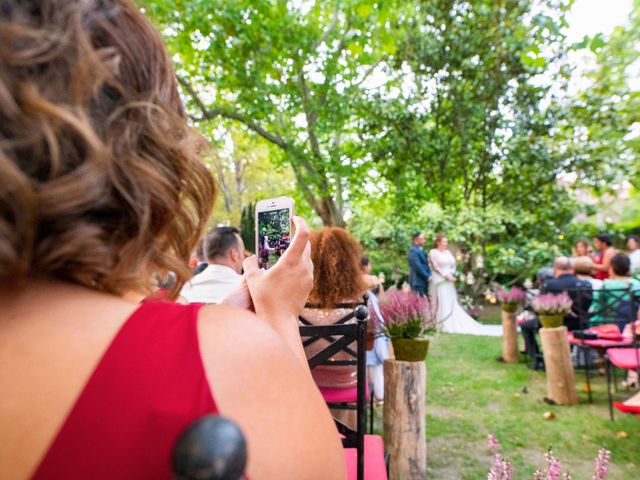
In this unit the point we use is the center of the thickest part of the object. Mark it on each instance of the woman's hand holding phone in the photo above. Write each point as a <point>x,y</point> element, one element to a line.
<point>279,294</point>
<point>285,287</point>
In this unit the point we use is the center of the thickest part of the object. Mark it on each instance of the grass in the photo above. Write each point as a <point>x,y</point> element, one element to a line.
<point>470,394</point>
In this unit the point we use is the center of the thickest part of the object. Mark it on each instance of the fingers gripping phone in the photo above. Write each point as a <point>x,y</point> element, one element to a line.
<point>273,229</point>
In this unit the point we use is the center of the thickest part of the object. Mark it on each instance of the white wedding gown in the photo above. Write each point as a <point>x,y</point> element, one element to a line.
<point>449,314</point>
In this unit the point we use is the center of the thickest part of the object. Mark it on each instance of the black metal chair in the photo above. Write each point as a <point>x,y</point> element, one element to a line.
<point>340,336</point>
<point>608,306</point>
<point>349,399</point>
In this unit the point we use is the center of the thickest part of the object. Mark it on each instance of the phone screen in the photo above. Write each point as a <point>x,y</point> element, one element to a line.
<point>274,236</point>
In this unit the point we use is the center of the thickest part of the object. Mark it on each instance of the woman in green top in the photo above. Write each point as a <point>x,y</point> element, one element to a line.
<point>611,304</point>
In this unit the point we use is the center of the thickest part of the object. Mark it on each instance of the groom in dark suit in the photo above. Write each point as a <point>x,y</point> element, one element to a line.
<point>419,272</point>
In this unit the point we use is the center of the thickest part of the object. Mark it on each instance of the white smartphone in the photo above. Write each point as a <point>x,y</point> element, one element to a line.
<point>273,229</point>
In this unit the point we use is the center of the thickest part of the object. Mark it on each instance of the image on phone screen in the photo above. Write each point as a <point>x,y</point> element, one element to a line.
<point>274,236</point>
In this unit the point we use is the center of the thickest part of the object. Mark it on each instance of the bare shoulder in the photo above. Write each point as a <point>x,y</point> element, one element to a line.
<point>259,383</point>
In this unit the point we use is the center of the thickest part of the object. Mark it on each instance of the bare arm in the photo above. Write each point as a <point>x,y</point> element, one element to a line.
<point>258,382</point>
<point>606,260</point>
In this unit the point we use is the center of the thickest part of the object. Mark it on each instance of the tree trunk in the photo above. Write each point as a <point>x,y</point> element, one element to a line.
<point>561,385</point>
<point>404,419</point>
<point>509,337</point>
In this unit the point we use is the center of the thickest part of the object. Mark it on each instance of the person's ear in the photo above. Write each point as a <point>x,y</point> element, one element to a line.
<point>234,254</point>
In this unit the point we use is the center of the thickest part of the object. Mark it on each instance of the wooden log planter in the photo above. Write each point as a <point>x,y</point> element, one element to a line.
<point>404,419</point>
<point>509,336</point>
<point>561,385</point>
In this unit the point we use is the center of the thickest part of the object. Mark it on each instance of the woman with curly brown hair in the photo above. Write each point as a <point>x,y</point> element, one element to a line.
<point>101,189</point>
<point>337,280</point>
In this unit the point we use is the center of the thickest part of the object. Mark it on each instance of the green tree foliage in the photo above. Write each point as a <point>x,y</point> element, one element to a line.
<point>248,227</point>
<point>289,72</point>
<point>244,172</point>
<point>439,115</point>
<point>603,122</point>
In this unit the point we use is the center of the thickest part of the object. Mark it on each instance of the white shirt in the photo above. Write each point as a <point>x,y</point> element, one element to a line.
<point>634,257</point>
<point>211,285</point>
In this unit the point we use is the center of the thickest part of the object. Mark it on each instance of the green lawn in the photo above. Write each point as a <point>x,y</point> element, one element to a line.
<point>470,394</point>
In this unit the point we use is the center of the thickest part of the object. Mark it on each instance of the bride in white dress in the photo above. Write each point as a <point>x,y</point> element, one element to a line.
<point>442,291</point>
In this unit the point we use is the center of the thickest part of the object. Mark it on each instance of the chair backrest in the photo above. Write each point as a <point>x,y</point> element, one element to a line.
<point>339,337</point>
<point>615,305</point>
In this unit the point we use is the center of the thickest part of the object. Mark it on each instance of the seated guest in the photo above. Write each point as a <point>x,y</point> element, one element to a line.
<point>542,276</point>
<point>224,251</point>
<point>373,282</point>
<point>603,255</point>
<point>580,292</point>
<point>583,268</point>
<point>380,351</point>
<point>337,279</point>
<point>616,304</point>
<point>102,187</point>
<point>633,251</point>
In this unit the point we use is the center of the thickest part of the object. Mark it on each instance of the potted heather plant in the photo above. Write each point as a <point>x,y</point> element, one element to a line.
<point>407,322</point>
<point>552,308</point>
<point>510,298</point>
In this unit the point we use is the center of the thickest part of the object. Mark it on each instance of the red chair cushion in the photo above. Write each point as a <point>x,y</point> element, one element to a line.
<point>374,466</point>
<point>626,358</point>
<point>607,332</point>
<point>341,395</point>
<point>627,408</point>
<point>600,343</point>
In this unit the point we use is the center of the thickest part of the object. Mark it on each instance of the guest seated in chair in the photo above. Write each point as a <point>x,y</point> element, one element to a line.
<point>580,292</point>
<point>101,188</point>
<point>337,279</point>
<point>621,308</point>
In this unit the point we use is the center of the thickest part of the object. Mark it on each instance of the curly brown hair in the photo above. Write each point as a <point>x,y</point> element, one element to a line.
<point>337,276</point>
<point>102,182</point>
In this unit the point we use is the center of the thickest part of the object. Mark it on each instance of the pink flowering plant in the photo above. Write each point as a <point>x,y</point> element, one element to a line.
<point>550,304</point>
<point>503,470</point>
<point>406,315</point>
<point>510,298</point>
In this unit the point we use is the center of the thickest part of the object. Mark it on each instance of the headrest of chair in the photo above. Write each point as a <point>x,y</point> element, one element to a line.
<point>211,448</point>
<point>361,312</point>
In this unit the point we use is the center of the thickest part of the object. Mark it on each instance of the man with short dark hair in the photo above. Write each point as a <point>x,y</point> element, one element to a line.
<point>581,293</point>
<point>224,250</point>
<point>419,271</point>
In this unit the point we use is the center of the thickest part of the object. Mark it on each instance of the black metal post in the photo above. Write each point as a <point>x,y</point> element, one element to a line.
<point>361,314</point>
<point>608,369</point>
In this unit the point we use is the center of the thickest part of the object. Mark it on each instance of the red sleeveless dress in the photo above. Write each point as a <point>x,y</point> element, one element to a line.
<point>147,388</point>
<point>600,274</point>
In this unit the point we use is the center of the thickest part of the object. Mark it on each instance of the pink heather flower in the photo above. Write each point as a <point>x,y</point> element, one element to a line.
<point>550,304</point>
<point>501,469</point>
<point>512,295</point>
<point>407,312</point>
<point>602,464</point>
<point>493,443</point>
<point>553,466</point>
